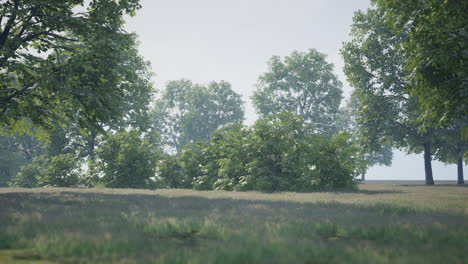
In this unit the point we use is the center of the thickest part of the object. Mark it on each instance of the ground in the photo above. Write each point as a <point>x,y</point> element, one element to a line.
<point>386,222</point>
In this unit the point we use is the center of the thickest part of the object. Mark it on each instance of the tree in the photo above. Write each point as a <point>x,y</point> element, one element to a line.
<point>170,173</point>
<point>435,48</point>
<point>62,60</point>
<point>189,112</point>
<point>279,154</point>
<point>232,147</point>
<point>347,122</point>
<point>374,66</point>
<point>452,146</point>
<point>11,159</point>
<point>15,152</point>
<point>303,84</point>
<point>129,108</point>
<point>126,160</point>
<point>62,170</point>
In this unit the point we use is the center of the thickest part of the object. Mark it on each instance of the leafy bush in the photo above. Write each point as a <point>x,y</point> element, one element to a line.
<point>279,153</point>
<point>26,177</point>
<point>336,164</point>
<point>170,173</point>
<point>45,170</point>
<point>126,160</point>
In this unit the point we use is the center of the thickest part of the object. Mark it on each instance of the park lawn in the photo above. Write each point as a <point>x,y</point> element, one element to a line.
<point>391,222</point>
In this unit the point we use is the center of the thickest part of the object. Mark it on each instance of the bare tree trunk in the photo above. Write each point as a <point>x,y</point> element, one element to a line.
<point>428,164</point>
<point>460,170</point>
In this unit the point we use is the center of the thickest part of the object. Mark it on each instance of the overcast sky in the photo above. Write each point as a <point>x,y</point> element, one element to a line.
<point>213,40</point>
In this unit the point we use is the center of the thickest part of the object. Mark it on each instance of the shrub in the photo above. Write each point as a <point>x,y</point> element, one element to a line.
<point>126,160</point>
<point>279,153</point>
<point>45,170</point>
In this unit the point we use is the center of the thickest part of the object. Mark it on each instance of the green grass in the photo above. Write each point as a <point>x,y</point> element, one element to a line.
<point>390,222</point>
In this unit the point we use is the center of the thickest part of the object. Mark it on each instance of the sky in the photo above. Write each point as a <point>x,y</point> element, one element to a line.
<point>214,40</point>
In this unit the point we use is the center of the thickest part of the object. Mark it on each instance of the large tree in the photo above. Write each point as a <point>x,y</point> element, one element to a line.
<point>188,112</point>
<point>303,84</point>
<point>436,53</point>
<point>374,66</point>
<point>64,59</point>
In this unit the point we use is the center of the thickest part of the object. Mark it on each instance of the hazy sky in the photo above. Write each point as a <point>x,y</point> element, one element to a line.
<point>213,40</point>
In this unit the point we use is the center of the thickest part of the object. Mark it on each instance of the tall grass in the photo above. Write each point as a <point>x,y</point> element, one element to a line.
<point>382,223</point>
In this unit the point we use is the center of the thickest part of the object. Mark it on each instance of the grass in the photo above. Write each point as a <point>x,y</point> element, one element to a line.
<point>390,222</point>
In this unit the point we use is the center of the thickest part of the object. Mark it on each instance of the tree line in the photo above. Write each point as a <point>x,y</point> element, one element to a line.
<point>78,106</point>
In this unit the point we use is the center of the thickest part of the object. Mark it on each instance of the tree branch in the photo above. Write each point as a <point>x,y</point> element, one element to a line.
<point>9,24</point>
<point>27,23</point>
<point>46,33</point>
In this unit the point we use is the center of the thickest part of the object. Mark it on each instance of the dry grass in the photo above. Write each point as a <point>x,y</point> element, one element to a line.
<point>391,222</point>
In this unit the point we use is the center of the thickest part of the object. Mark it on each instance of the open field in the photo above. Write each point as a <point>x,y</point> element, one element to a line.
<point>385,222</point>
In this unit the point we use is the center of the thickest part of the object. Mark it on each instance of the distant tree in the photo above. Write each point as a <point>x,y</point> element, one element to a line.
<point>55,161</point>
<point>453,146</point>
<point>435,47</point>
<point>347,122</point>
<point>15,152</point>
<point>387,113</point>
<point>189,112</point>
<point>11,159</point>
<point>303,84</point>
<point>62,60</point>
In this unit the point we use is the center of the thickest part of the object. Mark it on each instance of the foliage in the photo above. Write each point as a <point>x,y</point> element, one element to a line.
<point>45,170</point>
<point>452,146</point>
<point>10,159</point>
<point>169,173</point>
<point>16,151</point>
<point>64,60</point>
<point>303,84</point>
<point>232,145</point>
<point>189,112</point>
<point>338,163</point>
<point>126,160</point>
<point>347,122</point>
<point>278,153</point>
<point>387,114</point>
<point>437,61</point>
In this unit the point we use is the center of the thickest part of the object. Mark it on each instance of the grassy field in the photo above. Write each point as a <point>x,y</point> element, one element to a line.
<point>387,222</point>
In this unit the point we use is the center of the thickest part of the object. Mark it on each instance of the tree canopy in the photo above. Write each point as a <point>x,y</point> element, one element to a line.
<point>304,84</point>
<point>188,112</point>
<point>67,59</point>
<point>435,47</point>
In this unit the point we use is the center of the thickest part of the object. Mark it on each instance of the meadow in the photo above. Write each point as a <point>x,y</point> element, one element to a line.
<point>383,222</point>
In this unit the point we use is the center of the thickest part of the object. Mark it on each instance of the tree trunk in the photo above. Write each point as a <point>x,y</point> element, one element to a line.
<point>363,177</point>
<point>460,170</point>
<point>92,146</point>
<point>428,164</point>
